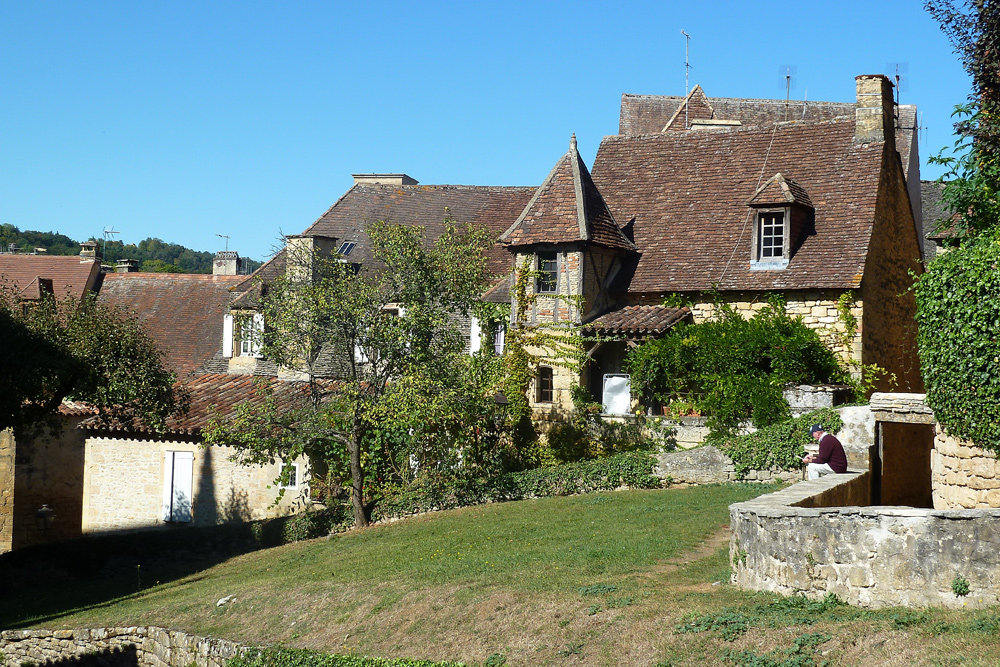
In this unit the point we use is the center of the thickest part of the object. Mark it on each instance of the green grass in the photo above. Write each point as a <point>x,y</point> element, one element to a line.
<point>635,577</point>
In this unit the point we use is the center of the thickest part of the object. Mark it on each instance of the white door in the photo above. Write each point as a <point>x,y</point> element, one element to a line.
<point>178,473</point>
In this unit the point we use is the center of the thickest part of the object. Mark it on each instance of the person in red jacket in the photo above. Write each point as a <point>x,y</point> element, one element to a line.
<point>830,457</point>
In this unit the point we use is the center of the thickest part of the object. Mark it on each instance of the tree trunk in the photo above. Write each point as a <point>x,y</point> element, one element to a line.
<point>357,478</point>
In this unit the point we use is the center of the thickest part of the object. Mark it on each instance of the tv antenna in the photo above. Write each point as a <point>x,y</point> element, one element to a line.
<point>787,72</point>
<point>223,236</point>
<point>687,73</point>
<point>901,82</point>
<point>108,231</point>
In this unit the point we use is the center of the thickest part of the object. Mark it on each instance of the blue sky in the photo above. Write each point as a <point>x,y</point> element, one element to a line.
<point>184,120</point>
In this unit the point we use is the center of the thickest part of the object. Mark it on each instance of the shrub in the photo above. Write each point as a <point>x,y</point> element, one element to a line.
<point>732,369</point>
<point>780,446</point>
<point>958,315</point>
<point>287,657</point>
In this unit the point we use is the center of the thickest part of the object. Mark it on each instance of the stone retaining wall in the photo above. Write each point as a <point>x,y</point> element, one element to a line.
<point>963,475</point>
<point>868,556</point>
<point>132,646</point>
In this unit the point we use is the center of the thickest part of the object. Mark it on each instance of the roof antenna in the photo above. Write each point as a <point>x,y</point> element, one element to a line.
<point>223,236</point>
<point>902,83</point>
<point>787,72</point>
<point>108,231</point>
<point>687,72</point>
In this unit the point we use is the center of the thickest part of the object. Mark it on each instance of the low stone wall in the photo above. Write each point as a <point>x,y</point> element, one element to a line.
<point>963,475</point>
<point>791,542</point>
<point>708,465</point>
<point>119,647</point>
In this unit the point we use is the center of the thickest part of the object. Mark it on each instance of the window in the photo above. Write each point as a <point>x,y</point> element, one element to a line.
<point>345,248</point>
<point>547,272</point>
<point>292,470</point>
<point>178,469</point>
<point>251,328</point>
<point>499,335</point>
<point>770,236</point>
<point>544,385</point>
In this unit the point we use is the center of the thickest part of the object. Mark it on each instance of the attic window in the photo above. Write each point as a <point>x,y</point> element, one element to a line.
<point>545,281</point>
<point>770,236</point>
<point>346,247</point>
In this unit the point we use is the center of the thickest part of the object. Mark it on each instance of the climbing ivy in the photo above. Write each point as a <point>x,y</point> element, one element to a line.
<point>780,446</point>
<point>958,315</point>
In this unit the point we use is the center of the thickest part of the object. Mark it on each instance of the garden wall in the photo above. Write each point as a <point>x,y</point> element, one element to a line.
<point>793,541</point>
<point>963,475</point>
<point>117,647</point>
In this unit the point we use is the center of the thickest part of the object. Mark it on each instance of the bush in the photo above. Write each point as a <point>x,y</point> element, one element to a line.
<point>286,657</point>
<point>732,369</point>
<point>958,315</point>
<point>780,446</point>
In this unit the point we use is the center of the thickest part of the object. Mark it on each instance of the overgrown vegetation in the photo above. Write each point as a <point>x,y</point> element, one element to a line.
<point>733,370</point>
<point>958,298</point>
<point>276,656</point>
<point>779,446</point>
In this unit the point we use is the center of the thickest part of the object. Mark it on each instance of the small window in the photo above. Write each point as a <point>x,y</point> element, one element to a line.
<point>770,237</point>
<point>345,248</point>
<point>292,470</point>
<point>250,329</point>
<point>547,272</point>
<point>544,393</point>
<point>499,334</point>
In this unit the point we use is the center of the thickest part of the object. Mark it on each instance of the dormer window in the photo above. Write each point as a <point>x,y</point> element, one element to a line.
<point>547,274</point>
<point>782,211</point>
<point>345,248</point>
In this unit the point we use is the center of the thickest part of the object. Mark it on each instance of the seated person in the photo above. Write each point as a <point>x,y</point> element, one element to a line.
<point>830,457</point>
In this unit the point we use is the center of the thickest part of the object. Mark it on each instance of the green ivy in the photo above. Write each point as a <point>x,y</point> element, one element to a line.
<point>287,657</point>
<point>958,315</point>
<point>780,446</point>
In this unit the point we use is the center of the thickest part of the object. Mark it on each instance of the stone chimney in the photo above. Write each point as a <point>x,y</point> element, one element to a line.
<point>90,251</point>
<point>127,266</point>
<point>300,251</point>
<point>226,263</point>
<point>383,179</point>
<point>874,115</point>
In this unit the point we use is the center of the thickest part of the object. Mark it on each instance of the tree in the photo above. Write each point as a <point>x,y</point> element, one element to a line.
<point>387,333</point>
<point>958,296</point>
<point>84,350</point>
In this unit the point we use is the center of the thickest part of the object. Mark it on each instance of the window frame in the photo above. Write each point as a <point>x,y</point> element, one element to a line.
<point>545,385</point>
<point>294,479</point>
<point>546,277</point>
<point>765,217</point>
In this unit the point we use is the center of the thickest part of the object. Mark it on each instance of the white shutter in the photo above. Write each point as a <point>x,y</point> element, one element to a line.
<point>178,476</point>
<point>227,336</point>
<point>258,328</point>
<point>617,394</point>
<point>475,336</point>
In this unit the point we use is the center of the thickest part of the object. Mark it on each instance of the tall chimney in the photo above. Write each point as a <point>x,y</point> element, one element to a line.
<point>90,251</point>
<point>874,115</point>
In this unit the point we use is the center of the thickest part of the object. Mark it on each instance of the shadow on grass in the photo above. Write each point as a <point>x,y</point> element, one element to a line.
<point>42,583</point>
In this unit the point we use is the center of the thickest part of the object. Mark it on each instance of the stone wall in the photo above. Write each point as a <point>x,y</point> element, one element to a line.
<point>123,486</point>
<point>868,556</point>
<point>963,475</point>
<point>6,490</point>
<point>708,465</point>
<point>132,646</point>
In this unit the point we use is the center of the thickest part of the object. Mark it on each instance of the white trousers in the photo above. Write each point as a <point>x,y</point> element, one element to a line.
<point>817,470</point>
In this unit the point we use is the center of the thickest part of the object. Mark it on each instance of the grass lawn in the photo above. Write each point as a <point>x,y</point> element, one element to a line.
<point>620,578</point>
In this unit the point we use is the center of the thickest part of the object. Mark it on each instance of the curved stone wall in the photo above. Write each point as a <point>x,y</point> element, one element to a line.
<point>963,475</point>
<point>804,539</point>
<point>117,647</point>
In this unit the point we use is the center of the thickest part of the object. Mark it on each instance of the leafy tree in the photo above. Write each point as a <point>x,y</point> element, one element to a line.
<point>957,311</point>
<point>83,350</point>
<point>388,332</point>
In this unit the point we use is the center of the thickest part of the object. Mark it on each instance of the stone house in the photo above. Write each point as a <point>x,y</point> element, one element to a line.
<point>739,202</point>
<point>128,478</point>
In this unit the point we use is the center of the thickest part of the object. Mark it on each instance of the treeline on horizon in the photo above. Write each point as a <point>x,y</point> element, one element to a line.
<point>153,255</point>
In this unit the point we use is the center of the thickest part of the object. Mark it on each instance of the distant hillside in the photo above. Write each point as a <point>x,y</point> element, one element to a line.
<point>153,255</point>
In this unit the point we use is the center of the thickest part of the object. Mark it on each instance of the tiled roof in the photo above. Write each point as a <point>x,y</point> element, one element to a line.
<point>567,207</point>
<point>69,274</point>
<point>651,114</point>
<point>688,193</point>
<point>637,320</point>
<point>936,211</point>
<point>213,394</point>
<point>182,312</point>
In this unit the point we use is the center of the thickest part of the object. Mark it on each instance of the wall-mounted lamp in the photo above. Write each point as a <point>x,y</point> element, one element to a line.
<point>45,517</point>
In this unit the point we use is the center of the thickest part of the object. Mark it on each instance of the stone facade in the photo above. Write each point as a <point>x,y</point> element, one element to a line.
<point>817,537</point>
<point>124,647</point>
<point>123,486</point>
<point>963,475</point>
<point>6,490</point>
